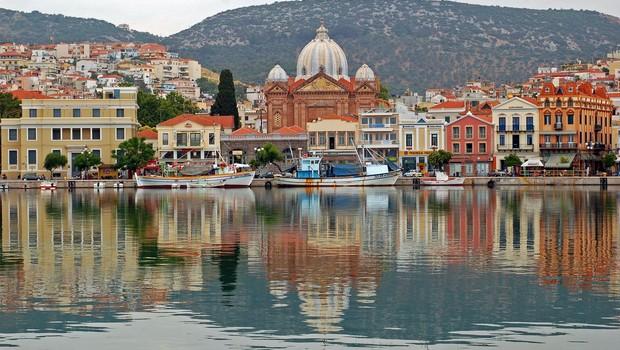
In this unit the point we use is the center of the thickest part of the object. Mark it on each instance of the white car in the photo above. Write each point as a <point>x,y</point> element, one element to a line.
<point>413,173</point>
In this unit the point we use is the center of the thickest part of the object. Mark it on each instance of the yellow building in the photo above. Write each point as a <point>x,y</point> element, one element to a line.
<point>419,136</point>
<point>192,137</point>
<point>333,135</point>
<point>68,127</point>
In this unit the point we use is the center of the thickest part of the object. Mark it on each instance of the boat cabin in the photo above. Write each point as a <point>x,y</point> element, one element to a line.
<point>312,168</point>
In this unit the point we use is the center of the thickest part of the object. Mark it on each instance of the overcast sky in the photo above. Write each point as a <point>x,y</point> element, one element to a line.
<point>166,17</point>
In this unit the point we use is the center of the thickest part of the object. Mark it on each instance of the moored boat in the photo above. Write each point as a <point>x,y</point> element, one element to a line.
<point>313,174</point>
<point>441,179</point>
<point>48,185</point>
<point>238,179</point>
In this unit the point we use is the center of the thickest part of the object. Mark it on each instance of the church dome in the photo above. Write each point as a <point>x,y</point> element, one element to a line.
<point>322,52</point>
<point>365,73</point>
<point>277,73</point>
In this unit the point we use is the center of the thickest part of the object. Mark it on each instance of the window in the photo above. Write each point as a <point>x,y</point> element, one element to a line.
<point>32,113</point>
<point>558,117</point>
<point>76,113</point>
<point>164,139</point>
<point>456,148</point>
<point>364,120</point>
<point>393,121</point>
<point>56,151</point>
<point>321,138</point>
<point>547,138</point>
<point>469,132</point>
<point>57,112</point>
<point>211,138</point>
<point>515,123</point>
<point>120,133</point>
<point>570,100</point>
<point>530,140</point>
<point>194,139</point>
<point>56,134</point>
<point>502,140</point>
<point>409,140</point>
<point>95,134</point>
<point>392,136</point>
<point>12,134</point>
<point>181,139</point>
<point>547,102</point>
<point>120,113</point>
<point>76,134</point>
<point>529,123</point>
<point>502,124</point>
<point>96,113</point>
<point>482,132</point>
<point>32,134</point>
<point>547,118</point>
<point>482,147</point>
<point>570,118</point>
<point>312,137</point>
<point>12,157</point>
<point>469,148</point>
<point>97,152</point>
<point>341,138</point>
<point>32,157</point>
<point>434,140</point>
<point>456,132</point>
<point>558,103</point>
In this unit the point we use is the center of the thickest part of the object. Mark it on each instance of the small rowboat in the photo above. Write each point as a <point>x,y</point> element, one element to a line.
<point>48,185</point>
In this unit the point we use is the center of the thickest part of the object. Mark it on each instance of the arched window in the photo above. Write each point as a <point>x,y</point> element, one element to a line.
<point>547,118</point>
<point>570,102</point>
<point>547,103</point>
<point>558,117</point>
<point>558,103</point>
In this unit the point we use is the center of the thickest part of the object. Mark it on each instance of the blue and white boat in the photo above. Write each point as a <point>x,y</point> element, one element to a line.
<point>313,173</point>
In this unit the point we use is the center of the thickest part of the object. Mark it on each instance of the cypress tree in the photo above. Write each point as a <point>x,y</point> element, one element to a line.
<point>225,101</point>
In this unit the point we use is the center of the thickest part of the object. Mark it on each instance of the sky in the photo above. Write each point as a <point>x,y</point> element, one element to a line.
<point>165,17</point>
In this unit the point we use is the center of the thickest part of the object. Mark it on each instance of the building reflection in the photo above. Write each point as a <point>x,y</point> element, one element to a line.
<point>319,254</point>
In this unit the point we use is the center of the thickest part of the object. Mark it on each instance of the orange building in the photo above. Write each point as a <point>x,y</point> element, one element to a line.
<point>322,86</point>
<point>575,125</point>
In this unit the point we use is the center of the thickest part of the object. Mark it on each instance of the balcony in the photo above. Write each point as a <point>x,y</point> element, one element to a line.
<point>516,128</point>
<point>379,143</point>
<point>558,126</point>
<point>558,146</point>
<point>517,148</point>
<point>501,128</point>
<point>529,127</point>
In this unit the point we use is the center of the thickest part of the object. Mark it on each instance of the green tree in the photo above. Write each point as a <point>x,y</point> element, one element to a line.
<point>86,160</point>
<point>9,106</point>
<point>154,110</point>
<point>384,93</point>
<point>225,101</point>
<point>512,161</point>
<point>609,160</point>
<point>269,154</point>
<point>54,160</point>
<point>439,158</point>
<point>133,154</point>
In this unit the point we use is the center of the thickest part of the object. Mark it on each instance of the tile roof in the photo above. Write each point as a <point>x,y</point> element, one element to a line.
<point>449,105</point>
<point>245,131</point>
<point>147,134</point>
<point>290,130</point>
<point>29,95</point>
<point>225,121</point>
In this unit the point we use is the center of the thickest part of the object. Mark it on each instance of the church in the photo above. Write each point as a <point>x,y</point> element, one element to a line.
<point>321,87</point>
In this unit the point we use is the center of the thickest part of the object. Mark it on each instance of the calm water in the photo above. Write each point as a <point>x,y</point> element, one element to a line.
<point>331,269</point>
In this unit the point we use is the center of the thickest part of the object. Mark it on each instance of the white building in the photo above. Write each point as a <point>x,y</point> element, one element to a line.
<point>419,136</point>
<point>379,132</point>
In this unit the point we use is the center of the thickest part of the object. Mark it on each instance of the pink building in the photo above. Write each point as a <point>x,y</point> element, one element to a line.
<point>470,139</point>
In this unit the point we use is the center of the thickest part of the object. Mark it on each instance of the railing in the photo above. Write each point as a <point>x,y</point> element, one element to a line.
<point>529,127</point>
<point>558,145</point>
<point>515,127</point>
<point>515,147</point>
<point>300,137</point>
<point>558,126</point>
<point>501,128</point>
<point>380,142</point>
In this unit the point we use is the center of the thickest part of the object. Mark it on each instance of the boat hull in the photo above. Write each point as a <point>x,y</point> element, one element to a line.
<point>225,180</point>
<point>388,179</point>
<point>458,181</point>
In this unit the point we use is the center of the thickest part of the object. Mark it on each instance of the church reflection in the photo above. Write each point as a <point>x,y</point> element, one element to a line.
<point>306,260</point>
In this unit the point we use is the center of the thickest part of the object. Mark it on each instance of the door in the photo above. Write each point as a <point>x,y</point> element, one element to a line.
<point>515,142</point>
<point>74,170</point>
<point>332,142</point>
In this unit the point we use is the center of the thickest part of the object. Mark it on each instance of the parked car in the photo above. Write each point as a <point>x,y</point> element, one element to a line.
<point>32,177</point>
<point>413,173</point>
<point>499,173</point>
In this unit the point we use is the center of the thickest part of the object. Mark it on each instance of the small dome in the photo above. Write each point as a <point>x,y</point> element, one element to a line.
<point>277,73</point>
<point>322,53</point>
<point>364,73</point>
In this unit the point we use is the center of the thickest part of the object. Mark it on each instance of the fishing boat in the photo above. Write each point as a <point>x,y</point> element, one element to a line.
<point>234,175</point>
<point>312,173</point>
<point>441,179</point>
<point>48,185</point>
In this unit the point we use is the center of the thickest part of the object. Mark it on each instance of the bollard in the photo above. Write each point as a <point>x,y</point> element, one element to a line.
<point>491,184</point>
<point>268,185</point>
<point>603,183</point>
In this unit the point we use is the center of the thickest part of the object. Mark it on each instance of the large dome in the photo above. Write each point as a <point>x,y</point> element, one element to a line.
<point>365,73</point>
<point>277,73</point>
<point>322,52</point>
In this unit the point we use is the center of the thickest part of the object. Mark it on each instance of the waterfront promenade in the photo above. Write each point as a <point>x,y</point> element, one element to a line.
<point>403,181</point>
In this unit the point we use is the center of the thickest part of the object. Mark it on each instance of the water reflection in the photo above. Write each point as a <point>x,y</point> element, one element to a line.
<point>427,266</point>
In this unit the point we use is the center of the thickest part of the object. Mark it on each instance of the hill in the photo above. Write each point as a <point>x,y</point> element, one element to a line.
<point>409,43</point>
<point>37,28</point>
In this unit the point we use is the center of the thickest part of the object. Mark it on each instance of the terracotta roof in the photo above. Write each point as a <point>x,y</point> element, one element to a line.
<point>346,118</point>
<point>290,130</point>
<point>147,134</point>
<point>449,105</point>
<point>29,95</point>
<point>245,131</point>
<point>225,121</point>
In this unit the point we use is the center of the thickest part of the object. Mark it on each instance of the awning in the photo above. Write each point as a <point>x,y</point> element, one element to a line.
<point>532,163</point>
<point>560,161</point>
<point>589,156</point>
